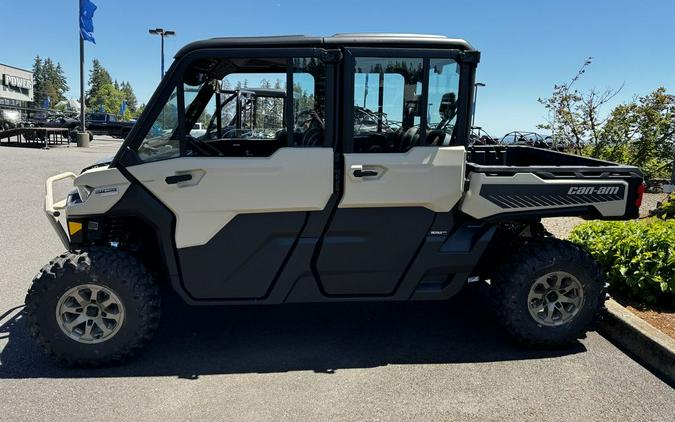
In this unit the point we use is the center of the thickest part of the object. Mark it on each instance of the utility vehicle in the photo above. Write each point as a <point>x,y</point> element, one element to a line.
<point>354,182</point>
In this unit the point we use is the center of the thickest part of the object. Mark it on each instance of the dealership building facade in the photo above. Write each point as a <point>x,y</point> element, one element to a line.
<point>16,87</point>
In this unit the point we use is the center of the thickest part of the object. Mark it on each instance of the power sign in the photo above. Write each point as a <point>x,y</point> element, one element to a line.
<point>16,82</point>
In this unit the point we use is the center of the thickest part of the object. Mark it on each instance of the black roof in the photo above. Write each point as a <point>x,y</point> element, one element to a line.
<point>337,40</point>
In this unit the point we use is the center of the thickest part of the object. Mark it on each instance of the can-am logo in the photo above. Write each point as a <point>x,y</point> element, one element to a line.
<point>17,82</point>
<point>593,190</point>
<point>106,191</point>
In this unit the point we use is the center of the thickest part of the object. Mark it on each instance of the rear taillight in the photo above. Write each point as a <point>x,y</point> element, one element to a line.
<point>640,192</point>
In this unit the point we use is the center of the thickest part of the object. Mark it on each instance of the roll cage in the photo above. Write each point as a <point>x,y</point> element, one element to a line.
<point>338,53</point>
<point>245,104</point>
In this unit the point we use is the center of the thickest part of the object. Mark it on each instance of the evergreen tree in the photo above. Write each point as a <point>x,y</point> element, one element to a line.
<point>49,88</point>
<point>99,79</point>
<point>55,85</point>
<point>38,81</point>
<point>49,80</point>
<point>138,112</point>
<point>132,101</point>
<point>110,98</point>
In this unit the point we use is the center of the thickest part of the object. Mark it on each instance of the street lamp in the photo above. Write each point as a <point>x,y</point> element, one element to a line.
<point>475,97</point>
<point>162,33</point>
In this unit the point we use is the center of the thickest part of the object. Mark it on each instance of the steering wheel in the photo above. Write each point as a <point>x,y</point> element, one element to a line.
<point>202,147</point>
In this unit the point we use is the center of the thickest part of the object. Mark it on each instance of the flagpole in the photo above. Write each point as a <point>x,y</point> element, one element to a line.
<point>86,24</point>
<point>82,126</point>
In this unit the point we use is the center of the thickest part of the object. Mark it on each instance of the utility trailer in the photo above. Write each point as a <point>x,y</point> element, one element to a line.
<point>35,136</point>
<point>356,184</point>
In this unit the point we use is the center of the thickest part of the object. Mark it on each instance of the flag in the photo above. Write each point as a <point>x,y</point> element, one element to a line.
<point>47,102</point>
<point>101,109</point>
<point>123,107</point>
<point>87,9</point>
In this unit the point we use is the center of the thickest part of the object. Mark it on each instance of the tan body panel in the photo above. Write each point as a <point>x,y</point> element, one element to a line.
<point>429,177</point>
<point>108,186</point>
<point>292,179</point>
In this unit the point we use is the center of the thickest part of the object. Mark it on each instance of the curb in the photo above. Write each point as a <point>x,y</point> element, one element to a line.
<point>640,338</point>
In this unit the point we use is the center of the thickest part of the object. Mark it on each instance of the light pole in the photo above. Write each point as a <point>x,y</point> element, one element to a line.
<point>475,98</point>
<point>162,33</point>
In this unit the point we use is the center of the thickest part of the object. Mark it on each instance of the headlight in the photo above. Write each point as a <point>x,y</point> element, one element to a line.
<point>84,192</point>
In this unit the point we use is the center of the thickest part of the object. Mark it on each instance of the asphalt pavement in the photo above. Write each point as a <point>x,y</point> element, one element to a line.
<point>439,361</point>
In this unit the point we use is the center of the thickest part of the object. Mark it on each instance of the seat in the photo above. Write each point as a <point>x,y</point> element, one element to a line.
<point>448,110</point>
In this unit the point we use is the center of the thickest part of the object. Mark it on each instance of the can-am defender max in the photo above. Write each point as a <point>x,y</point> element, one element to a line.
<point>331,169</point>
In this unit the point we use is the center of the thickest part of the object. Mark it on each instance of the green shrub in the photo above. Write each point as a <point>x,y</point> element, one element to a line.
<point>665,209</point>
<point>638,257</point>
<point>655,168</point>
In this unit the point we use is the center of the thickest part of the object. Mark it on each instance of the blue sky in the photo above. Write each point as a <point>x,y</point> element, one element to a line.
<point>526,46</point>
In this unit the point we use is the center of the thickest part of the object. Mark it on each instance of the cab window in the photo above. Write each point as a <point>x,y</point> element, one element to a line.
<point>252,107</point>
<point>387,109</point>
<point>161,141</point>
<point>241,107</point>
<point>442,103</point>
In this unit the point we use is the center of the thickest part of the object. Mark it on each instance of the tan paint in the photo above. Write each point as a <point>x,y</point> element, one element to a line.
<point>292,179</point>
<point>429,177</point>
<point>111,185</point>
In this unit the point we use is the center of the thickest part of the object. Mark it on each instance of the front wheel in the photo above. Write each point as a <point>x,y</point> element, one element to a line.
<point>548,293</point>
<point>94,307</point>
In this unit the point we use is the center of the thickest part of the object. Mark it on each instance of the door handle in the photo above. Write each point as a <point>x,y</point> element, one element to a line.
<point>172,180</point>
<point>364,173</point>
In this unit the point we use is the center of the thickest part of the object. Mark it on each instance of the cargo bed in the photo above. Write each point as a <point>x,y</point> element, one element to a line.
<point>521,182</point>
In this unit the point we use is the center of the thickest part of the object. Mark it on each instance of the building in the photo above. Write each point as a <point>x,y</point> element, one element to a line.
<point>16,87</point>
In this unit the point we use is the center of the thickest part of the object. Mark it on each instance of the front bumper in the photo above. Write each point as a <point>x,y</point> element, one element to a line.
<point>53,210</point>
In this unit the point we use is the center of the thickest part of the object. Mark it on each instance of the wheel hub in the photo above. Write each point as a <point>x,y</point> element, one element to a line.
<point>552,297</point>
<point>90,313</point>
<point>555,298</point>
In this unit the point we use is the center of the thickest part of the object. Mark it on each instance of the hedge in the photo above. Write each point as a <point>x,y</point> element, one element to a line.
<point>638,256</point>
<point>666,208</point>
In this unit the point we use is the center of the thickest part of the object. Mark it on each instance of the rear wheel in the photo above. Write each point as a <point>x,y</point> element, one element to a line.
<point>93,307</point>
<point>548,293</point>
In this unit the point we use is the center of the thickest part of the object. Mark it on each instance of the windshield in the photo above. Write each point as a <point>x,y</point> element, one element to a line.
<point>161,141</point>
<point>96,117</point>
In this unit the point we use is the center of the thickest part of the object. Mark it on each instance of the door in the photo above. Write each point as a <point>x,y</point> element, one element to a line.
<point>400,168</point>
<point>241,195</point>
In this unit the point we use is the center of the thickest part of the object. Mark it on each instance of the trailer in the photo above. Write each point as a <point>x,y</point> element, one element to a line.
<point>33,136</point>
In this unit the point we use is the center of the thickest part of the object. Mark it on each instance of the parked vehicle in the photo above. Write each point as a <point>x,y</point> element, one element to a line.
<point>9,119</point>
<point>524,138</point>
<point>95,124</point>
<point>556,144</point>
<point>333,213</point>
<point>107,124</point>
<point>66,121</point>
<point>480,137</point>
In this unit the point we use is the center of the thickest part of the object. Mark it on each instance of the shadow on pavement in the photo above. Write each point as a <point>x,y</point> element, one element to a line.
<point>319,337</point>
